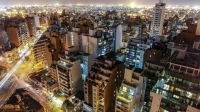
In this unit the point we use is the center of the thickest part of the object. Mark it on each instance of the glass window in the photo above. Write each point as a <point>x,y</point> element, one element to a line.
<point>124,89</point>
<point>188,94</point>
<point>175,96</point>
<point>132,92</point>
<point>166,87</point>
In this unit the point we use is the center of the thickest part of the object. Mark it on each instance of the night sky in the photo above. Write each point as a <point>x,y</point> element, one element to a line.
<point>139,2</point>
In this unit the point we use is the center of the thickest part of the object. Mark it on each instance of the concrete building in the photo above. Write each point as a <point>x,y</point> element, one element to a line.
<point>103,82</point>
<point>31,26</point>
<point>42,53</point>
<point>53,72</point>
<point>131,93</point>
<point>63,40</point>
<point>69,75</point>
<point>99,42</point>
<point>154,63</point>
<point>72,39</point>
<point>117,30</point>
<point>198,27</point>
<point>178,89</point>
<point>37,21</point>
<point>135,52</point>
<point>18,32</point>
<point>86,62</point>
<point>158,19</point>
<point>4,42</point>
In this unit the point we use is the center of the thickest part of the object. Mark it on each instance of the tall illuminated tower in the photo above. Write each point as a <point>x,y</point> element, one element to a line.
<point>158,18</point>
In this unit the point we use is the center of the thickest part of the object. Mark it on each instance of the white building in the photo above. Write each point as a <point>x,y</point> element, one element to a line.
<point>198,27</point>
<point>135,52</point>
<point>98,43</point>
<point>37,21</point>
<point>131,93</point>
<point>158,19</point>
<point>118,37</point>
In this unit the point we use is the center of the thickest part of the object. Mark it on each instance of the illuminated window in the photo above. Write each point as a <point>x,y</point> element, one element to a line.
<point>175,96</point>
<point>132,92</point>
<point>189,94</point>
<point>124,89</point>
<point>166,87</point>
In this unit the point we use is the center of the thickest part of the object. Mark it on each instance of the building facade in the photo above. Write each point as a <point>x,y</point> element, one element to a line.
<point>102,84</point>
<point>42,53</point>
<point>158,19</point>
<point>131,94</point>
<point>69,75</point>
<point>178,89</point>
<point>135,52</point>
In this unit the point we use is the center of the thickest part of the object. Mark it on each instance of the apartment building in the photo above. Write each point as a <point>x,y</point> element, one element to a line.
<point>69,75</point>
<point>18,32</point>
<point>42,53</point>
<point>131,94</point>
<point>135,52</point>
<point>103,82</point>
<point>178,89</point>
<point>158,19</point>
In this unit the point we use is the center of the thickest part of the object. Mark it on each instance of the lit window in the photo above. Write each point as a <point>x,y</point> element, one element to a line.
<point>189,95</point>
<point>132,92</point>
<point>124,89</point>
<point>175,96</point>
<point>166,87</point>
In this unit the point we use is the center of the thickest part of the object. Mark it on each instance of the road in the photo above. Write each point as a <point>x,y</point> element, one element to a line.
<point>26,52</point>
<point>9,83</point>
<point>7,92</point>
<point>19,82</point>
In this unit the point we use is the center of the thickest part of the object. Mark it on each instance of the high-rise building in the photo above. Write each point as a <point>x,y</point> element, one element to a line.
<point>69,75</point>
<point>18,32</point>
<point>4,42</point>
<point>86,62</point>
<point>31,26</point>
<point>53,72</point>
<point>198,27</point>
<point>103,82</point>
<point>117,30</point>
<point>98,43</point>
<point>131,94</point>
<point>135,52</point>
<point>158,19</point>
<point>178,89</point>
<point>37,21</point>
<point>73,41</point>
<point>42,53</point>
<point>154,63</point>
<point>63,40</point>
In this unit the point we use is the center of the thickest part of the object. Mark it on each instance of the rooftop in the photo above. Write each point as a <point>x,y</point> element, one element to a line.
<point>190,59</point>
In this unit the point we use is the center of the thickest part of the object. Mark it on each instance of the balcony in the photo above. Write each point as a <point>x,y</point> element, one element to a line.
<point>184,86</point>
<point>182,75</point>
<point>172,106</point>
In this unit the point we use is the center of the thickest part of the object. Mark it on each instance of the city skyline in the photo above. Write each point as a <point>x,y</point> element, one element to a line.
<point>99,56</point>
<point>116,2</point>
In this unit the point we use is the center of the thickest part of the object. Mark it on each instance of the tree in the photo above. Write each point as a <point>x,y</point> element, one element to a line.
<point>67,106</point>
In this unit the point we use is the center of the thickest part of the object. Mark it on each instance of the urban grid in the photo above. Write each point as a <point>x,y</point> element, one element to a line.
<point>99,56</point>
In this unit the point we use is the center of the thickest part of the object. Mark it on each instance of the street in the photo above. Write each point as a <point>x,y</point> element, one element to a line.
<point>9,83</point>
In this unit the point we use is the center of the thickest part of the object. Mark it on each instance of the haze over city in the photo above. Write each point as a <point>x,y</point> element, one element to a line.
<point>99,55</point>
<point>138,2</point>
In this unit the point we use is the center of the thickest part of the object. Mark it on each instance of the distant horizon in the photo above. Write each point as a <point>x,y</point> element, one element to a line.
<point>4,7</point>
<point>96,2</point>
